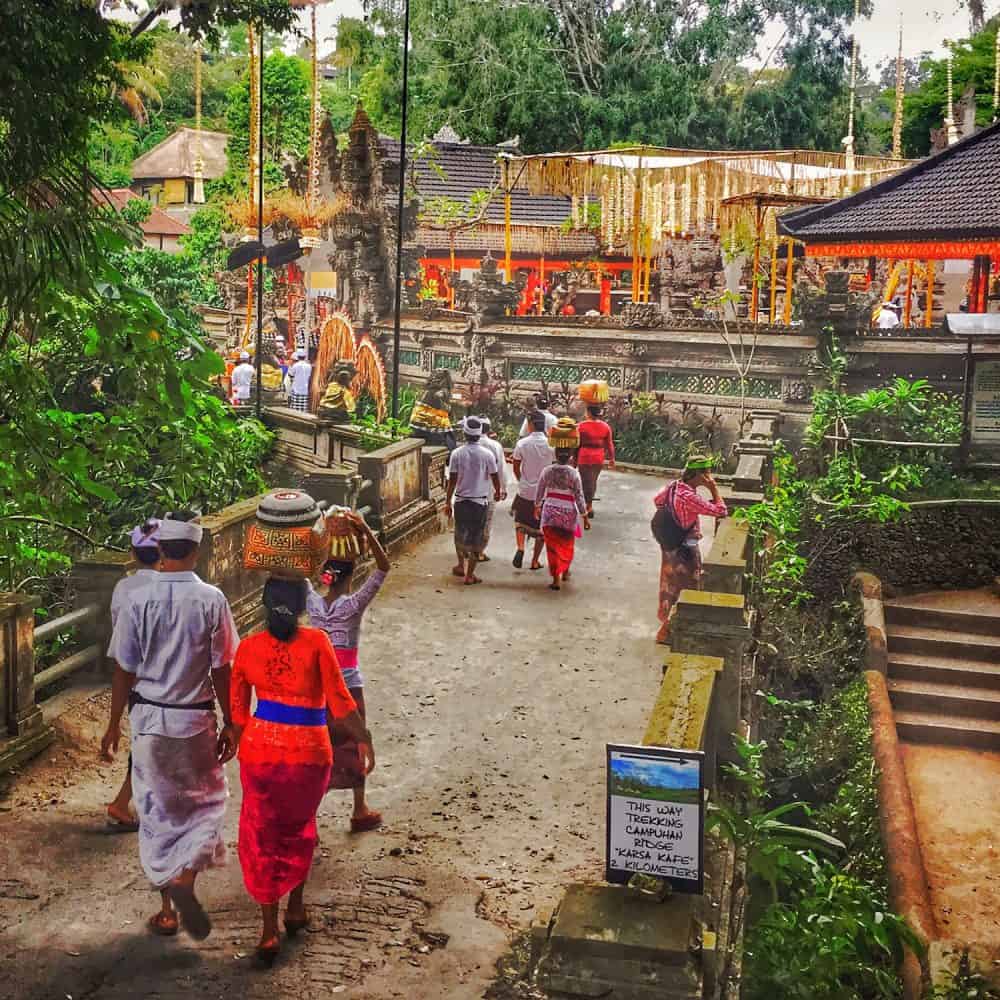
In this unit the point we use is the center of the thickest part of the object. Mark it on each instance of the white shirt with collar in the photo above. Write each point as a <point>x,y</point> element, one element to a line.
<point>472,465</point>
<point>497,448</point>
<point>171,635</point>
<point>535,455</point>
<point>125,589</point>
<point>243,378</point>
<point>299,377</point>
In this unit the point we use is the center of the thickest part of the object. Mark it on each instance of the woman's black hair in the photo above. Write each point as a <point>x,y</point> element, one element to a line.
<point>563,455</point>
<point>340,568</point>
<point>285,601</point>
<point>595,409</point>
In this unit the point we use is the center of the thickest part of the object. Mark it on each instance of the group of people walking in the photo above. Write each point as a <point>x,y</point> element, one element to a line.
<point>179,661</point>
<point>556,464</point>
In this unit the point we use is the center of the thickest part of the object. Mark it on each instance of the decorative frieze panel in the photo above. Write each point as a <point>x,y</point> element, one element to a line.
<point>409,357</point>
<point>453,362</point>
<point>573,374</point>
<point>712,384</point>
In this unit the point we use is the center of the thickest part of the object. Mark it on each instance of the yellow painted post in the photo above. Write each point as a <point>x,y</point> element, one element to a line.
<point>636,233</point>
<point>908,308</point>
<point>507,240</point>
<point>786,316</point>
<point>451,273</point>
<point>754,287</point>
<point>929,303</point>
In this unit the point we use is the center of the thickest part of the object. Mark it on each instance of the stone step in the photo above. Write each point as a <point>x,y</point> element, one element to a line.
<point>950,730</point>
<point>942,642</point>
<point>947,699</point>
<point>900,612</point>
<point>944,670</point>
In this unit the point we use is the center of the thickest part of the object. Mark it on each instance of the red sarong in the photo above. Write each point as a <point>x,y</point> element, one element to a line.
<point>559,546</point>
<point>278,825</point>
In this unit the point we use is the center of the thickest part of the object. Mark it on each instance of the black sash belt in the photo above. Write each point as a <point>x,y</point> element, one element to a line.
<point>193,706</point>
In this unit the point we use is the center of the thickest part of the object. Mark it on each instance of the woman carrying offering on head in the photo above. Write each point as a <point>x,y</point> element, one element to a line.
<point>285,752</point>
<point>676,528</point>
<point>559,503</point>
<point>338,613</point>
<point>596,444</point>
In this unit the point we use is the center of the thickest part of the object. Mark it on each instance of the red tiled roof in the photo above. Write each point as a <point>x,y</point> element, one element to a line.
<point>158,223</point>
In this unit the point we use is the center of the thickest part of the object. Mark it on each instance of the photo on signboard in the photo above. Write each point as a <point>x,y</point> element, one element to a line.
<point>666,780</point>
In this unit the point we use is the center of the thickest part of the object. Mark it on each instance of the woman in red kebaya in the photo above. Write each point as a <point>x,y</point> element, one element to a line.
<point>596,445</point>
<point>285,753</point>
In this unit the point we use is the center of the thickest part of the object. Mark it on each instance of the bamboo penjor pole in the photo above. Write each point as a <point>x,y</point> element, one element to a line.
<point>786,316</point>
<point>929,302</point>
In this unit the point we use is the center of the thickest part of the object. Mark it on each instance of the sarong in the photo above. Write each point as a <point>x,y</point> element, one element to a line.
<point>470,526</point>
<point>490,511</point>
<point>278,825</point>
<point>559,546</point>
<point>588,476</point>
<point>678,571</point>
<point>297,401</point>
<point>179,790</point>
<point>524,516</point>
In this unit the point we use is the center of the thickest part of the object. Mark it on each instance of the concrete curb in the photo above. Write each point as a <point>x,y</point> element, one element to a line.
<point>904,864</point>
<point>873,613</point>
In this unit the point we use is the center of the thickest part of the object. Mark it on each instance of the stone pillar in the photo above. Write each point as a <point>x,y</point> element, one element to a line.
<point>93,581</point>
<point>338,485</point>
<point>23,731</point>
<point>715,624</point>
<point>433,462</point>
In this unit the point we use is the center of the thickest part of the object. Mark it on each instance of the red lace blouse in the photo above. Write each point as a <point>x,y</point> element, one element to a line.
<point>301,672</point>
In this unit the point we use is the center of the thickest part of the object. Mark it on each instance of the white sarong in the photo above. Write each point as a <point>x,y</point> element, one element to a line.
<point>179,791</point>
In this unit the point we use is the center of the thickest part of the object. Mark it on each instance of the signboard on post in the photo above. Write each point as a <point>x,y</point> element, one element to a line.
<point>655,815</point>
<point>984,425</point>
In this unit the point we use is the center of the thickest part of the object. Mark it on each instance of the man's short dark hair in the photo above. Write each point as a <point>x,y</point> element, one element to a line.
<point>148,555</point>
<point>542,403</point>
<point>537,420</point>
<point>178,548</point>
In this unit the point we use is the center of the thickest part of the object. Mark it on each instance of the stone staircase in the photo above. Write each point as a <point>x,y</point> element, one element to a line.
<point>944,668</point>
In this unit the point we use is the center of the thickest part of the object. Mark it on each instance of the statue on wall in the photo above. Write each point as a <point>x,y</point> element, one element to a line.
<point>431,417</point>
<point>338,404</point>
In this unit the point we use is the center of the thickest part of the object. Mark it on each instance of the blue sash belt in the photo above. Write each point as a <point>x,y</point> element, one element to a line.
<point>289,715</point>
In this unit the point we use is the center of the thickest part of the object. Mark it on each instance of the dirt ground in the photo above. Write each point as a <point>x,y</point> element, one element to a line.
<point>490,706</point>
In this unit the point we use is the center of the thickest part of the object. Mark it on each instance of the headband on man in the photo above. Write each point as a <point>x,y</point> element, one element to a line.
<point>180,531</point>
<point>145,535</point>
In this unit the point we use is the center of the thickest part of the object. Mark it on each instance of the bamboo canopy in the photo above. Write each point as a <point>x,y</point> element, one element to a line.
<point>660,192</point>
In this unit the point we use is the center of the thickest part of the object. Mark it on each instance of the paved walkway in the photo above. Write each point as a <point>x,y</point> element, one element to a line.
<point>490,706</point>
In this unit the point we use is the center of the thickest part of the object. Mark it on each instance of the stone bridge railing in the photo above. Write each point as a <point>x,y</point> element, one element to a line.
<point>400,489</point>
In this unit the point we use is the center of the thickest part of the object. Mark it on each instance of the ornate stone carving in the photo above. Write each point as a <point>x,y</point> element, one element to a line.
<point>796,391</point>
<point>635,379</point>
<point>641,315</point>
<point>630,349</point>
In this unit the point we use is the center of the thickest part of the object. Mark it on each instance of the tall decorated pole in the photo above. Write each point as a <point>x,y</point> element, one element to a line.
<point>401,206</point>
<point>198,194</point>
<point>258,355</point>
<point>897,121</point>
<point>996,76</point>
<point>949,110</point>
<point>848,140</point>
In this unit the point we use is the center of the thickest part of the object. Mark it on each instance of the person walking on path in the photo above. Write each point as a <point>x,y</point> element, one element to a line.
<point>146,552</point>
<point>173,645</point>
<point>597,444</point>
<point>490,440</point>
<point>560,507</point>
<point>675,526</point>
<point>244,377</point>
<point>472,472</point>
<point>532,456</point>
<point>298,381</point>
<point>285,753</point>
<point>338,613</point>
<point>541,406</point>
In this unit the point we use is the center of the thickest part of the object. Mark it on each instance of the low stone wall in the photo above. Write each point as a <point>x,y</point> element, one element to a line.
<point>958,542</point>
<point>23,732</point>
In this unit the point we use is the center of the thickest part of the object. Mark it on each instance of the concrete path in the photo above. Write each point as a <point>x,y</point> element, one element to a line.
<point>490,706</point>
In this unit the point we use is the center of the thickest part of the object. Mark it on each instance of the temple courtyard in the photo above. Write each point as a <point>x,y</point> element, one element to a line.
<point>490,707</point>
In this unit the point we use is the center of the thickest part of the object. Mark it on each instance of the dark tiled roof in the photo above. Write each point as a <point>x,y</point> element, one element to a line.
<point>459,170</point>
<point>952,195</point>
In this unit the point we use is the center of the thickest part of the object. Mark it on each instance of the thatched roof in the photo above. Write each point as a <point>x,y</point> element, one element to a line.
<point>174,157</point>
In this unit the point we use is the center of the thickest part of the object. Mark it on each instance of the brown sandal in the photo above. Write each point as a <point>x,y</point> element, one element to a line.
<point>267,951</point>
<point>162,925</point>
<point>371,820</point>
<point>126,823</point>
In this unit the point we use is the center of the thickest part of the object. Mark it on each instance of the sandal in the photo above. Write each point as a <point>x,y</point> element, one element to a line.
<point>371,820</point>
<point>120,823</point>
<point>455,571</point>
<point>518,558</point>
<point>554,586</point>
<point>267,951</point>
<point>533,566</point>
<point>470,580</point>
<point>163,925</point>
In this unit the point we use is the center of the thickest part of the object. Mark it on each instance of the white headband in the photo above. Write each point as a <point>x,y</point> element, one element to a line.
<point>188,531</point>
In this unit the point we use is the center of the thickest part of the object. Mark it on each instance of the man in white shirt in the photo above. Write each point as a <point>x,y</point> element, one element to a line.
<point>243,379</point>
<point>541,405</point>
<point>174,643</point>
<point>298,382</point>
<point>887,318</point>
<point>146,552</point>
<point>531,456</point>
<point>490,440</point>
<point>471,470</point>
